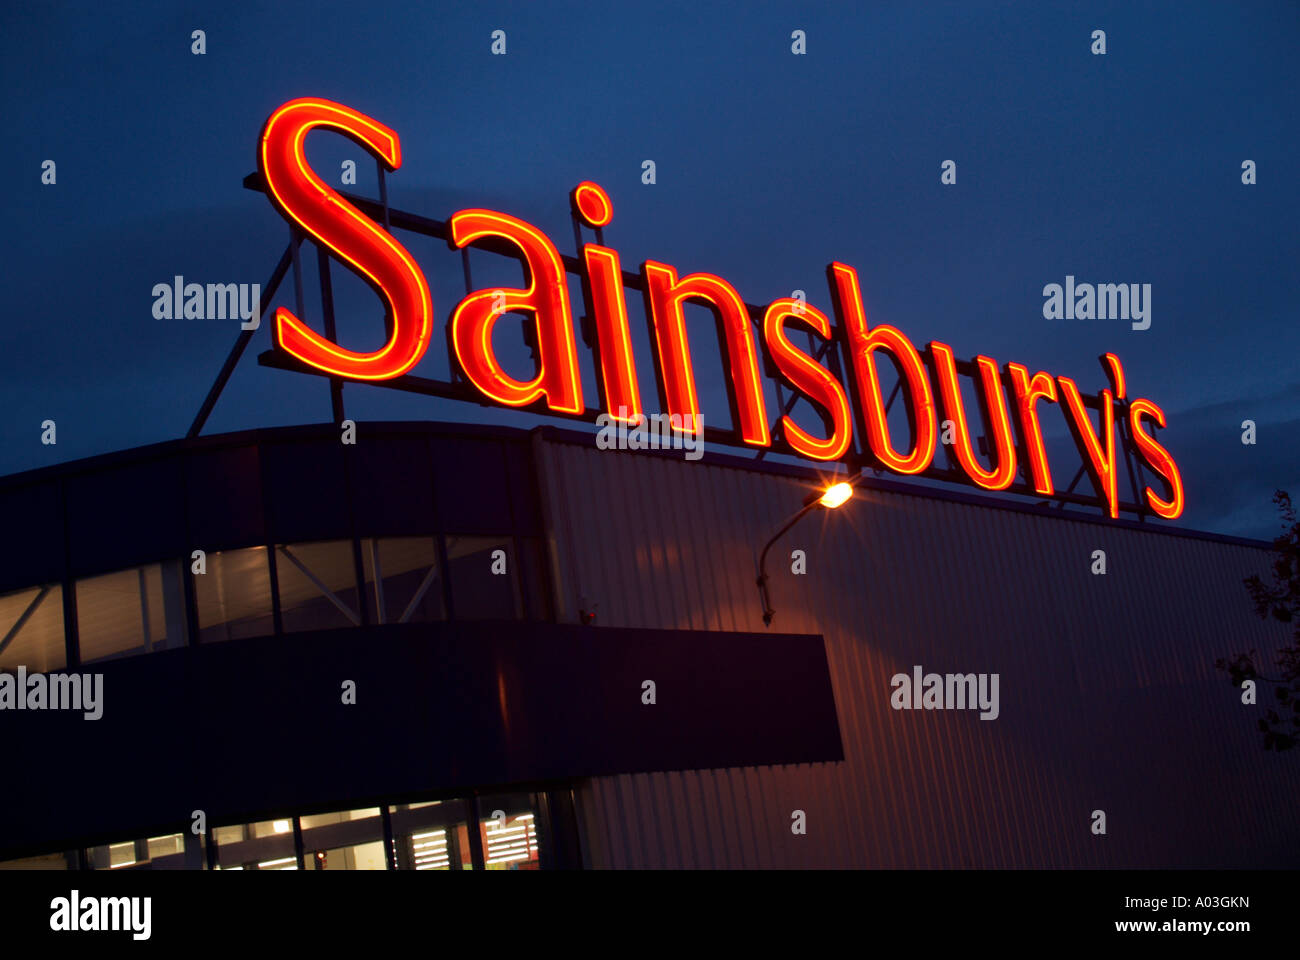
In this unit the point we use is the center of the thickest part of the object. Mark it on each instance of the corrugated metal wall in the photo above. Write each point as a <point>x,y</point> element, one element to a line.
<point>1108,695</point>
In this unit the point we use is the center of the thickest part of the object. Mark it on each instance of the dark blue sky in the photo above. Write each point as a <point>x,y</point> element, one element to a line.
<point>1116,168</point>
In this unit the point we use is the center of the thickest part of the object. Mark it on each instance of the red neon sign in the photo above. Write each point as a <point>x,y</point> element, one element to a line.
<point>930,393</point>
<point>917,396</point>
<point>375,255</point>
<point>804,374</point>
<point>547,298</point>
<point>665,294</point>
<point>994,407</point>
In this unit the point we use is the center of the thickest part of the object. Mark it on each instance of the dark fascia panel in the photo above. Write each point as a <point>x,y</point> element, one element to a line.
<point>287,485</point>
<point>392,484</point>
<point>251,728</point>
<point>305,489</point>
<point>224,498</point>
<point>474,501</point>
<point>33,531</point>
<point>126,515</point>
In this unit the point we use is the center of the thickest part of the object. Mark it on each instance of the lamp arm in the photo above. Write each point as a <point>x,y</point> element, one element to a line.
<point>768,612</point>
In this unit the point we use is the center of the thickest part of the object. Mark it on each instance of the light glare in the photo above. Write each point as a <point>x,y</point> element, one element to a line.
<point>836,494</point>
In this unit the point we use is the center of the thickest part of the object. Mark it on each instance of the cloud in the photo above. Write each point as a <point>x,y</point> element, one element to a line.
<point>1229,484</point>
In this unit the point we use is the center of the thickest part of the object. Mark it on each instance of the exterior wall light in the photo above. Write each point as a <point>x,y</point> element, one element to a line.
<point>837,494</point>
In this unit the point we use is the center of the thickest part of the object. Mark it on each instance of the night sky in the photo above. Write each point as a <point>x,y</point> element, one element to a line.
<point>1117,168</point>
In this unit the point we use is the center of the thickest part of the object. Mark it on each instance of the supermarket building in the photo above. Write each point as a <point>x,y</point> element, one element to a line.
<point>496,723</point>
<point>421,645</point>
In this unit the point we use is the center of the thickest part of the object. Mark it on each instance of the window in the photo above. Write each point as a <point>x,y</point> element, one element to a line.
<point>484,578</point>
<point>405,579</point>
<point>265,845</point>
<point>509,831</point>
<point>234,595</point>
<point>432,836</point>
<point>318,585</point>
<point>409,585</point>
<point>429,835</point>
<point>131,611</point>
<point>32,625</point>
<point>168,846</point>
<point>112,855</point>
<point>49,861</point>
<point>167,852</point>
<point>349,840</point>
